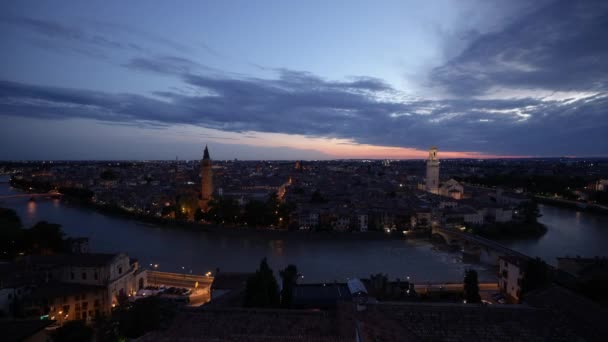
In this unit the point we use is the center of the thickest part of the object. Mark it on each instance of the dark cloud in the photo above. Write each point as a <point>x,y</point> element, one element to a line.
<point>171,65</point>
<point>299,103</point>
<point>559,46</point>
<point>93,39</point>
<point>117,28</point>
<point>63,34</point>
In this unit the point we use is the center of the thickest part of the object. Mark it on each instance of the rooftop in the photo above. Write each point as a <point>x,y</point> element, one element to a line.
<point>461,322</point>
<point>320,295</point>
<point>251,325</point>
<point>83,260</point>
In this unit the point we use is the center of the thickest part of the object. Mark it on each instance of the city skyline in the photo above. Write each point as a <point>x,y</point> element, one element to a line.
<point>272,80</point>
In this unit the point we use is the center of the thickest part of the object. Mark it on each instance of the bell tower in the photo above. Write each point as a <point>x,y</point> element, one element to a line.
<point>432,172</point>
<point>206,181</point>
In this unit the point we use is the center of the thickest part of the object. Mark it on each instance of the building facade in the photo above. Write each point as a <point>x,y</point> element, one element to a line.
<point>510,276</point>
<point>452,189</point>
<point>82,286</point>
<point>432,172</point>
<point>206,181</point>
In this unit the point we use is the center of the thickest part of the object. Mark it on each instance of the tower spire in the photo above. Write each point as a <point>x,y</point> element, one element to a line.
<point>206,153</point>
<point>206,181</point>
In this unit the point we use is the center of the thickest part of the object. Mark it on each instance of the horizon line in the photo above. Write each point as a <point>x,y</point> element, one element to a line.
<point>301,159</point>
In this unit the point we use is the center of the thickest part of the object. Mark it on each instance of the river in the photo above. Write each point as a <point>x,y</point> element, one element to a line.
<point>570,233</point>
<point>318,259</point>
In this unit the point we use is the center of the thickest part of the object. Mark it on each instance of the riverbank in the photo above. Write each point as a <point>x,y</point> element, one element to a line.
<point>511,230</point>
<point>579,206</point>
<point>243,231</point>
<point>78,198</point>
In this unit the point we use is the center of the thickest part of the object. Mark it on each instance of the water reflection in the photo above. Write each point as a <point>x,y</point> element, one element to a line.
<point>277,247</point>
<point>31,208</point>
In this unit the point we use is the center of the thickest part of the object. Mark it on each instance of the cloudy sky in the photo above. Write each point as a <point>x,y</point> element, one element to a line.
<point>303,79</point>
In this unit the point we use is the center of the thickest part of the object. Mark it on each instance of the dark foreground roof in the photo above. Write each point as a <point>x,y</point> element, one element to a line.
<point>251,325</point>
<point>552,315</point>
<point>319,295</point>
<point>462,322</point>
<point>587,317</point>
<point>13,331</point>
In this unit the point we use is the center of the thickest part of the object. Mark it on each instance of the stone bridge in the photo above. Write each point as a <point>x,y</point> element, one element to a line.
<point>474,245</point>
<point>51,194</point>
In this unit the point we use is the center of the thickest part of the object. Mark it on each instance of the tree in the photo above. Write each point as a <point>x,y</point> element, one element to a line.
<point>471,287</point>
<point>529,211</point>
<point>536,276</point>
<point>290,278</point>
<point>254,214</point>
<point>9,219</point>
<point>272,209</point>
<point>45,237</point>
<point>42,237</point>
<point>137,318</point>
<point>12,236</point>
<point>262,290</point>
<point>223,210</point>
<point>73,331</point>
<point>106,329</point>
<point>284,212</point>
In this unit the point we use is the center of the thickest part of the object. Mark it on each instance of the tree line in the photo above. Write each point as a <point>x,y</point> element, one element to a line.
<point>262,289</point>
<point>42,237</point>
<point>254,213</point>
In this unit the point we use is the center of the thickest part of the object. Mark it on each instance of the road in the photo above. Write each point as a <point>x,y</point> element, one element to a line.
<point>453,287</point>
<point>182,280</point>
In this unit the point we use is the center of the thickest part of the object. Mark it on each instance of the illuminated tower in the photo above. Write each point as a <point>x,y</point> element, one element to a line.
<point>206,181</point>
<point>432,172</point>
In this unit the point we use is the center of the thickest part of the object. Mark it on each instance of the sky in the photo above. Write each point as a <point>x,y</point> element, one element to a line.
<point>303,79</point>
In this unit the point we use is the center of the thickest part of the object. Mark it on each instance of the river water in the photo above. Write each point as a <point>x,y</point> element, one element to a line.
<point>570,233</point>
<point>319,259</point>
